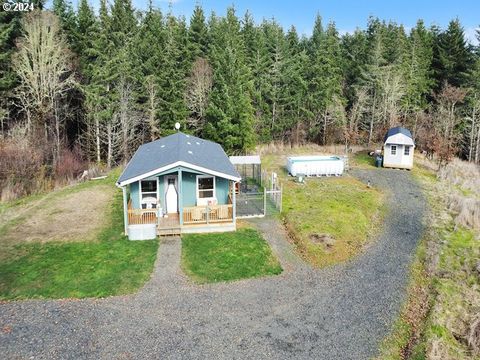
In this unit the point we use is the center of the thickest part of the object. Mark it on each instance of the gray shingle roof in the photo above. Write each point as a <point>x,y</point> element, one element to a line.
<point>397,130</point>
<point>178,147</point>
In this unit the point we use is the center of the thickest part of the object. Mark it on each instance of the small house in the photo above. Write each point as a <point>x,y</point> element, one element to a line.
<point>178,184</point>
<point>398,148</point>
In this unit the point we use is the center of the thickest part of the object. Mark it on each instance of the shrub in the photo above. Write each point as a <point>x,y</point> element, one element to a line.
<point>21,168</point>
<point>70,165</point>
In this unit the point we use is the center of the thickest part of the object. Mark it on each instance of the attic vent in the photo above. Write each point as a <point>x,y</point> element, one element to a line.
<point>190,152</point>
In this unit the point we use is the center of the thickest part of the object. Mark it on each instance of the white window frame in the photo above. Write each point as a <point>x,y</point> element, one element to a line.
<point>151,193</point>
<point>393,149</point>
<point>406,150</point>
<point>214,197</point>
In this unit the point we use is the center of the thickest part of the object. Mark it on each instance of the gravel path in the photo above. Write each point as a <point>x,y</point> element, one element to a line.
<point>341,312</point>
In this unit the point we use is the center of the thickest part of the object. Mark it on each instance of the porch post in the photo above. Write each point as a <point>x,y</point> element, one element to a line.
<point>180,196</point>
<point>234,203</point>
<point>125,207</point>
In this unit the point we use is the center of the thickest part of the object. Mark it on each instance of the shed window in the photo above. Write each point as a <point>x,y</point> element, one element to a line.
<point>407,150</point>
<point>148,194</point>
<point>205,187</point>
<point>393,150</point>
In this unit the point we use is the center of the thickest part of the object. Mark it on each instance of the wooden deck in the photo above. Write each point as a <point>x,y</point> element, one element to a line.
<point>195,217</point>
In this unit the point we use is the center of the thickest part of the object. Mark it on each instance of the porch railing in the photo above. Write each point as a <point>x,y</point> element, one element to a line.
<point>207,214</point>
<point>191,215</point>
<point>141,216</point>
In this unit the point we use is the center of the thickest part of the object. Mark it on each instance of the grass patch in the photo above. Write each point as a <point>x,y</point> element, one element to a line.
<point>111,265</point>
<point>227,256</point>
<point>340,208</point>
<point>15,212</point>
<point>457,294</point>
<point>361,159</point>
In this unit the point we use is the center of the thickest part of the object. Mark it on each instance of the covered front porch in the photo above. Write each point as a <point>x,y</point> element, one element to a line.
<point>181,200</point>
<point>192,217</point>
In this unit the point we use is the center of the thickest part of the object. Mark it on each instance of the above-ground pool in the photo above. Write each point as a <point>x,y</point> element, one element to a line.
<point>315,165</point>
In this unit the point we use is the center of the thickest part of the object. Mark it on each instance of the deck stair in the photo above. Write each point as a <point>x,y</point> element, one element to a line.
<point>168,231</point>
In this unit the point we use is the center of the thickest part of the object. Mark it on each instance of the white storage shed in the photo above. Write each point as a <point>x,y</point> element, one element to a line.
<point>398,148</point>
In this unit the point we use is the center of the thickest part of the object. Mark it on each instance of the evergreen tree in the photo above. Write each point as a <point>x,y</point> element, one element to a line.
<point>64,10</point>
<point>87,30</point>
<point>326,97</point>
<point>258,60</point>
<point>295,89</point>
<point>417,69</point>
<point>171,78</point>
<point>271,54</point>
<point>317,35</point>
<point>198,34</point>
<point>355,54</point>
<point>10,29</point>
<point>230,113</point>
<point>453,56</point>
<point>149,42</point>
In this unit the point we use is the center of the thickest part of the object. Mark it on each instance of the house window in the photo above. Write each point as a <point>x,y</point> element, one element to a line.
<point>205,187</point>
<point>148,194</point>
<point>393,150</point>
<point>407,150</point>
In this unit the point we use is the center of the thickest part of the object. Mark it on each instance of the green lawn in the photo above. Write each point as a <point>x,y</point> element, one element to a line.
<point>363,160</point>
<point>342,209</point>
<point>227,256</point>
<point>110,265</point>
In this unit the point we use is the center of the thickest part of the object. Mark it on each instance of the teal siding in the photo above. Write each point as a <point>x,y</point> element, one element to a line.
<point>221,189</point>
<point>134,195</point>
<point>161,191</point>
<point>189,189</point>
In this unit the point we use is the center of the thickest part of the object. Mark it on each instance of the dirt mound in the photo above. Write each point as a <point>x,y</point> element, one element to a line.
<point>324,239</point>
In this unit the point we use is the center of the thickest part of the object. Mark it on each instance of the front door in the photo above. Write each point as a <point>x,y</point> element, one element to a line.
<point>171,193</point>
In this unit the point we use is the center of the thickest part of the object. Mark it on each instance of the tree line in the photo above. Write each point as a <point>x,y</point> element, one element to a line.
<point>105,82</point>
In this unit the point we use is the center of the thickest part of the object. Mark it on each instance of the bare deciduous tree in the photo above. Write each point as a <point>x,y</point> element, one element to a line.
<point>120,133</point>
<point>446,120</point>
<point>199,85</point>
<point>354,116</point>
<point>43,65</point>
<point>473,118</point>
<point>392,89</point>
<point>152,99</point>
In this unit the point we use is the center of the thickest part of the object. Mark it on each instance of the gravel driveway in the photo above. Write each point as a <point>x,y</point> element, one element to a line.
<point>341,312</point>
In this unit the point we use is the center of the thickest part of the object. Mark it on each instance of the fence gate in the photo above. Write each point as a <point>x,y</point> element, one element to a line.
<point>250,204</point>
<point>258,201</point>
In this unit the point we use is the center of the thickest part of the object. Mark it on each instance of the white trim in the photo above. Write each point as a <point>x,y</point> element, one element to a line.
<point>175,164</point>
<point>214,197</point>
<point>393,148</point>
<point>159,201</point>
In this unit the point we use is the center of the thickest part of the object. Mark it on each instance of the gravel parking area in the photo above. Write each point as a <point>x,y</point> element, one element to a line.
<point>341,312</point>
